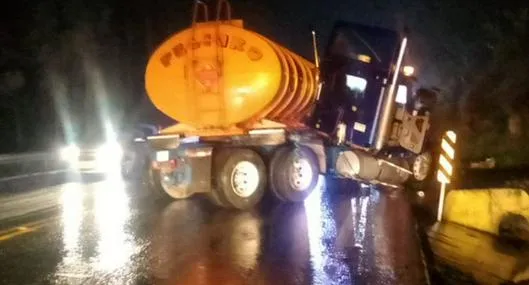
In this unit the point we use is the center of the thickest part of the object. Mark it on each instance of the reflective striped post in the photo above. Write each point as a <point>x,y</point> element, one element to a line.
<point>446,162</point>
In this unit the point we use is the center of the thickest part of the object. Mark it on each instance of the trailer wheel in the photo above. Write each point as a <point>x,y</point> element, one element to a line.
<point>131,166</point>
<point>161,186</point>
<point>293,173</point>
<point>240,178</point>
<point>127,167</point>
<point>218,199</point>
<point>154,185</point>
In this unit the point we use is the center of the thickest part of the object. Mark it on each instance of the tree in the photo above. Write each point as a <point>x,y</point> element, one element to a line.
<point>496,107</point>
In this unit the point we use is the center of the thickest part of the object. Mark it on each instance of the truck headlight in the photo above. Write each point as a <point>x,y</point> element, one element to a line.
<point>70,152</point>
<point>109,152</point>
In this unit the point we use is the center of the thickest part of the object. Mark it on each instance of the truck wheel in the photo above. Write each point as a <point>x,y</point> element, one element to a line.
<point>217,199</point>
<point>131,167</point>
<point>154,185</point>
<point>423,169</point>
<point>422,166</point>
<point>240,178</point>
<point>293,173</point>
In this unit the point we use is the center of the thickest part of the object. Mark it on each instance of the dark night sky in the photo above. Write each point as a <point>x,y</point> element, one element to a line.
<point>48,42</point>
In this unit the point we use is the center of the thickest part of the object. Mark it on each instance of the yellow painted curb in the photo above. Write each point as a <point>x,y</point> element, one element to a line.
<point>483,209</point>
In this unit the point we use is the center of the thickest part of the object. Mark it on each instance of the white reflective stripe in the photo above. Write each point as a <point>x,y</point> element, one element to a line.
<point>445,164</point>
<point>451,136</point>
<point>447,156</point>
<point>441,177</point>
<point>448,149</point>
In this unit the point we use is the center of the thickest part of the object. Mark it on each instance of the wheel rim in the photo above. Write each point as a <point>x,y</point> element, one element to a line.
<point>300,174</point>
<point>245,179</point>
<point>421,166</point>
<point>167,179</point>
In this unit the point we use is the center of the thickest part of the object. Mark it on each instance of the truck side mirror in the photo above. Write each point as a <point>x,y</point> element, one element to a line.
<point>425,99</point>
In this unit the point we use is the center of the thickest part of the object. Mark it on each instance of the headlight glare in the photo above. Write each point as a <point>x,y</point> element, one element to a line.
<point>70,152</point>
<point>109,151</point>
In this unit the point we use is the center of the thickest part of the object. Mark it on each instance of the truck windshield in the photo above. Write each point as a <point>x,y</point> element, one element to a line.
<point>378,45</point>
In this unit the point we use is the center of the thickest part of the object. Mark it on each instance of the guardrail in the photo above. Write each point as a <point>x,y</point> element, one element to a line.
<point>20,165</point>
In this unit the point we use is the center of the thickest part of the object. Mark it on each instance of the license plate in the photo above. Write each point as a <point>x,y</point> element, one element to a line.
<point>162,155</point>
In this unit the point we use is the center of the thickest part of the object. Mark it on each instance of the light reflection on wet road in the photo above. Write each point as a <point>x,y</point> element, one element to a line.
<point>106,232</point>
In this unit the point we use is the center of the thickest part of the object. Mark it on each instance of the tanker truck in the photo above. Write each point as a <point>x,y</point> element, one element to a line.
<point>254,116</point>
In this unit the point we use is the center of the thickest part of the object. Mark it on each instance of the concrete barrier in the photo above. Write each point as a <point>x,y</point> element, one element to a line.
<point>477,254</point>
<point>488,209</point>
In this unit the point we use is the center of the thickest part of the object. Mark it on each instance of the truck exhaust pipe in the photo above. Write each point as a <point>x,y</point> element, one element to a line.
<point>389,102</point>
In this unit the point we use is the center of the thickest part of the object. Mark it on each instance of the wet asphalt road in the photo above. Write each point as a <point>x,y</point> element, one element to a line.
<point>103,231</point>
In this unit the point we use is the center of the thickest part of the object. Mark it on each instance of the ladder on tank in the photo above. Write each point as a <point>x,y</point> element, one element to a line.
<point>211,102</point>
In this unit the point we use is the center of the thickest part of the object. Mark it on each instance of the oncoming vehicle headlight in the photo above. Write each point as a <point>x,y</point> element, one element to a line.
<point>70,152</point>
<point>111,151</point>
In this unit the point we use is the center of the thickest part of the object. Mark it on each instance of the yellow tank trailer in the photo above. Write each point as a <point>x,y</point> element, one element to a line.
<point>219,75</point>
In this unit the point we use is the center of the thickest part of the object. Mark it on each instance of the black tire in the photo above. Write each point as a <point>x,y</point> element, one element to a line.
<point>425,183</point>
<point>281,171</point>
<point>131,167</point>
<point>224,192</point>
<point>154,184</point>
<point>217,199</point>
<point>428,173</point>
<point>215,196</point>
<point>274,165</point>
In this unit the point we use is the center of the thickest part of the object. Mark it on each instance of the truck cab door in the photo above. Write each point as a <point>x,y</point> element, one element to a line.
<point>355,94</point>
<point>355,68</point>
